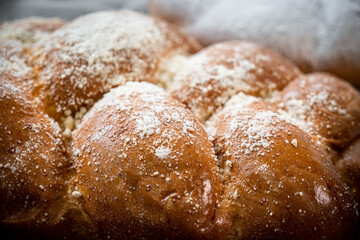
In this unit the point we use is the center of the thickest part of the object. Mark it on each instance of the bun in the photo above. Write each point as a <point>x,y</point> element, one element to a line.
<point>325,106</point>
<point>103,50</point>
<point>216,73</point>
<point>159,168</point>
<point>33,162</point>
<point>265,161</point>
<point>234,142</point>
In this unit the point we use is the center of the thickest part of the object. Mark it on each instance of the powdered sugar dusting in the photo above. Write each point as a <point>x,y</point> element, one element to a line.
<point>151,113</point>
<point>98,51</point>
<point>13,89</point>
<point>297,110</point>
<point>257,138</point>
<point>204,67</point>
<point>162,152</point>
<point>240,100</point>
<point>147,124</point>
<point>145,144</point>
<point>138,141</point>
<point>307,108</point>
<point>102,43</point>
<point>29,30</point>
<point>11,61</point>
<point>220,71</point>
<point>321,195</point>
<point>101,133</point>
<point>32,160</point>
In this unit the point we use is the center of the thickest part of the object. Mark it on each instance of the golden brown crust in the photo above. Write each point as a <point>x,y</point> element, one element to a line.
<point>145,167</point>
<point>33,165</point>
<point>216,73</point>
<point>34,170</point>
<point>77,64</point>
<point>277,183</point>
<point>348,167</point>
<point>323,105</point>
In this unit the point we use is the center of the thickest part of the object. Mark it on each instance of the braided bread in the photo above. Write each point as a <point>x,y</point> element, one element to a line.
<point>117,126</point>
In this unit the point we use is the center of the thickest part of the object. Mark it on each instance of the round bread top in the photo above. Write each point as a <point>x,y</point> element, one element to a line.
<point>13,67</point>
<point>145,163</point>
<point>32,159</point>
<point>216,73</point>
<point>323,105</point>
<point>78,63</point>
<point>29,30</point>
<point>11,60</point>
<point>277,183</point>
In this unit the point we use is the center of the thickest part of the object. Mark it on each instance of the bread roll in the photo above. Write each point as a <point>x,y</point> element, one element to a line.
<point>278,184</point>
<point>323,105</point>
<point>140,164</point>
<point>145,167</point>
<point>33,164</point>
<point>216,73</point>
<point>78,63</point>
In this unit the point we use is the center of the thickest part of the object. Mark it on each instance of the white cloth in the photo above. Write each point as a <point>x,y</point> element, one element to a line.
<point>322,35</point>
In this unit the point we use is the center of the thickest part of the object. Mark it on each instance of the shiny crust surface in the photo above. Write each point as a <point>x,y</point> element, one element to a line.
<point>239,145</point>
<point>33,165</point>
<point>161,181</point>
<point>276,180</point>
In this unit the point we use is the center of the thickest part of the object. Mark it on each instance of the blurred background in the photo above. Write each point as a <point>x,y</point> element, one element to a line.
<point>65,9</point>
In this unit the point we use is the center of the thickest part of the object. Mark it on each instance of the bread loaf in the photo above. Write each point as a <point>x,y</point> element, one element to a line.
<point>117,126</point>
